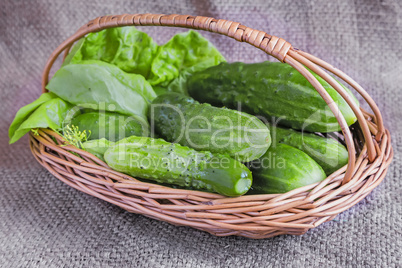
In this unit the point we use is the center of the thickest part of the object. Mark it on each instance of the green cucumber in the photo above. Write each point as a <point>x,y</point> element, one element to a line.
<point>284,168</point>
<point>111,126</point>
<point>97,147</point>
<point>181,119</point>
<point>328,153</point>
<point>271,90</point>
<point>164,162</point>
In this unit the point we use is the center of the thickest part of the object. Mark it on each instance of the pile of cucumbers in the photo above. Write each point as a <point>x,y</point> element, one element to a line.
<point>189,119</point>
<point>270,149</point>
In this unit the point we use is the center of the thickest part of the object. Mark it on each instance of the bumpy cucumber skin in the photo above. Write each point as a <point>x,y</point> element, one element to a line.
<point>164,162</point>
<point>288,169</point>
<point>111,126</point>
<point>272,90</point>
<point>219,130</point>
<point>328,153</point>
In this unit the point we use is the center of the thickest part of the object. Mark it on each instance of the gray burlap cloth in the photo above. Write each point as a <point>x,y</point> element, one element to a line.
<point>45,223</point>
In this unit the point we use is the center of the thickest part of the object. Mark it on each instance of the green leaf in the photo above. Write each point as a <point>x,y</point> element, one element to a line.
<point>50,114</point>
<point>74,54</point>
<point>126,47</point>
<point>25,111</point>
<point>102,86</point>
<point>185,53</point>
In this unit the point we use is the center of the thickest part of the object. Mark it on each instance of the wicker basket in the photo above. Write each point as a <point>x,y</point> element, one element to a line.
<point>253,216</point>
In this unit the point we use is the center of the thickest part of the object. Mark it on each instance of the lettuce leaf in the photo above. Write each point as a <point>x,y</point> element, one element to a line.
<point>102,86</point>
<point>126,47</point>
<point>25,111</point>
<point>167,66</point>
<point>183,55</point>
<point>50,114</point>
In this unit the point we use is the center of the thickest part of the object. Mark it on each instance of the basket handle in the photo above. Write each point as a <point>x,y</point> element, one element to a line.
<point>272,45</point>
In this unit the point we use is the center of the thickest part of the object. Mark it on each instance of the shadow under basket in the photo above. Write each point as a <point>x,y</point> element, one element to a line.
<point>253,216</point>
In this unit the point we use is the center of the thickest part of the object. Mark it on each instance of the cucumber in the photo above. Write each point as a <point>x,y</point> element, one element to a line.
<point>271,90</point>
<point>328,153</point>
<point>171,163</point>
<point>181,119</point>
<point>284,168</point>
<point>97,147</point>
<point>111,126</point>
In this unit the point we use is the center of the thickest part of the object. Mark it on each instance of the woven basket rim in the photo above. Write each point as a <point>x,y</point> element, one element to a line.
<point>254,216</point>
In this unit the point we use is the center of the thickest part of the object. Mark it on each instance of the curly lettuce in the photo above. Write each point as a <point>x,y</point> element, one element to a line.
<point>181,56</point>
<point>129,49</point>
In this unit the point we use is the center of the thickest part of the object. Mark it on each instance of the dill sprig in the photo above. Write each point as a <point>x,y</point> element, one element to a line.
<point>74,136</point>
<point>35,131</point>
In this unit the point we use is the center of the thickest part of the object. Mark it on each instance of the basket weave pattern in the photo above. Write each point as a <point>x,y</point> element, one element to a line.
<point>254,216</point>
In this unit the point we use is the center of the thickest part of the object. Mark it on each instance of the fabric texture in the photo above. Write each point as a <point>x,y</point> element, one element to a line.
<point>45,223</point>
